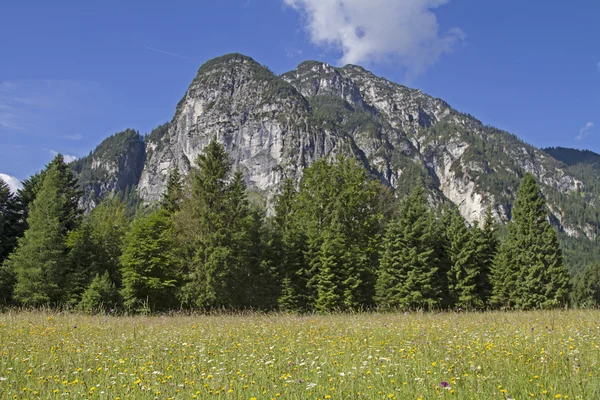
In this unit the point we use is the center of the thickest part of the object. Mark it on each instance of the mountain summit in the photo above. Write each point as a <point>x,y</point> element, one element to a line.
<point>275,126</point>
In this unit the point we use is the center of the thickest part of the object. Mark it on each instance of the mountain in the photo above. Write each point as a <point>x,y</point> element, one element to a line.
<point>275,126</point>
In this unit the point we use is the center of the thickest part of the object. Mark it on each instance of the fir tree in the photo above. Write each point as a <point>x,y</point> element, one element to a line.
<point>465,272</point>
<point>215,226</point>
<point>529,271</point>
<point>487,246</point>
<point>340,199</point>
<point>39,260</point>
<point>328,281</point>
<point>408,276</point>
<point>150,269</point>
<point>173,196</point>
<point>291,247</point>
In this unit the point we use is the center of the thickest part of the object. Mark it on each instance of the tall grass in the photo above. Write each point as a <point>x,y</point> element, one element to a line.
<point>545,354</point>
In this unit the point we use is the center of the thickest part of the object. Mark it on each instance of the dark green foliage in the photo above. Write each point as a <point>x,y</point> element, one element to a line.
<point>487,243</point>
<point>528,270</point>
<point>95,247</point>
<point>586,287</point>
<point>173,196</point>
<point>150,265</point>
<point>573,156</point>
<point>9,221</point>
<point>408,273</point>
<point>464,274</point>
<point>291,247</point>
<point>100,296</point>
<point>340,203</point>
<point>39,260</point>
<point>68,188</point>
<point>220,237</point>
<point>26,195</point>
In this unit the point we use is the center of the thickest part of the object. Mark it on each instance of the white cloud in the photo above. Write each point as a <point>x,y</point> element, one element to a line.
<point>68,158</point>
<point>586,130</point>
<point>12,182</point>
<point>365,31</point>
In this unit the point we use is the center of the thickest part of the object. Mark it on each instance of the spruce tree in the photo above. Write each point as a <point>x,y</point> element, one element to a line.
<point>465,271</point>
<point>150,266</point>
<point>173,196</point>
<point>487,246</point>
<point>39,260</point>
<point>291,247</point>
<point>215,228</point>
<point>408,275</point>
<point>528,270</point>
<point>329,279</point>
<point>341,200</point>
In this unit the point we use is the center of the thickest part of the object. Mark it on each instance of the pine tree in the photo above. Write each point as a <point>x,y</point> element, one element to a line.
<point>408,276</point>
<point>529,271</point>
<point>150,268</point>
<point>465,272</point>
<point>39,260</point>
<point>173,196</point>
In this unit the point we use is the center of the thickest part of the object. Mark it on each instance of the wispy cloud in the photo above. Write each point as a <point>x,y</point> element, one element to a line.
<point>24,104</point>
<point>166,52</point>
<point>68,158</point>
<point>598,65</point>
<point>72,137</point>
<point>405,32</point>
<point>291,52</point>
<point>585,131</point>
<point>13,183</point>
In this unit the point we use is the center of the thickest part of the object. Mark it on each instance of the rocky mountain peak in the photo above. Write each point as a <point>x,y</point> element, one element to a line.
<point>275,126</point>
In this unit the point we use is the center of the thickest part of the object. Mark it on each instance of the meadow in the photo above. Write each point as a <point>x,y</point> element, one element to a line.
<point>542,355</point>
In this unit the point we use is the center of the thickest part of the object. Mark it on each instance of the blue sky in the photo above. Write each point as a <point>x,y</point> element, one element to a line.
<point>73,73</point>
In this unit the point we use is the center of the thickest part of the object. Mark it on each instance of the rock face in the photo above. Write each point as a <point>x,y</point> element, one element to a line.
<point>275,126</point>
<point>114,166</point>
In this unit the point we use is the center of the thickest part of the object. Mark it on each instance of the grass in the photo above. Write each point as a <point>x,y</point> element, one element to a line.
<point>547,355</point>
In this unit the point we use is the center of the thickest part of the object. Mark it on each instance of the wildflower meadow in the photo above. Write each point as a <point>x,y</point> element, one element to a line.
<point>538,354</point>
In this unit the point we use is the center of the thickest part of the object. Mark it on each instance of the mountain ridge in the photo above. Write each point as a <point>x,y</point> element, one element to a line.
<point>275,126</point>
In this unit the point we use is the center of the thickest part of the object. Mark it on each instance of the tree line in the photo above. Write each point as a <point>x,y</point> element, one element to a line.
<point>336,241</point>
